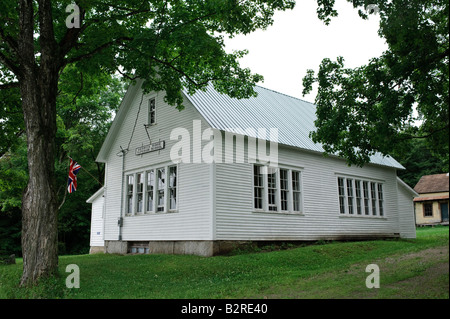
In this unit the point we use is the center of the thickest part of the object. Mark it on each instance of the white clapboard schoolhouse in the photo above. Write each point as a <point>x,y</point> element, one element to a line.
<point>225,171</point>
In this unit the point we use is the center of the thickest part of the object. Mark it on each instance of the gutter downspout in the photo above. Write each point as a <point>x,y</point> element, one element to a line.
<point>120,219</point>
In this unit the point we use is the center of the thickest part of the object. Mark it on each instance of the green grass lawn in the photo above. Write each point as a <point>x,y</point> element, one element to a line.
<point>408,269</point>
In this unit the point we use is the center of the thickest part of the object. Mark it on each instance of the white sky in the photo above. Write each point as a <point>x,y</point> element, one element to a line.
<point>298,41</point>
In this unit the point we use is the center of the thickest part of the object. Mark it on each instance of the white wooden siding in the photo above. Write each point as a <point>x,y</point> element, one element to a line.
<point>97,222</point>
<point>406,211</point>
<point>193,219</point>
<point>236,219</point>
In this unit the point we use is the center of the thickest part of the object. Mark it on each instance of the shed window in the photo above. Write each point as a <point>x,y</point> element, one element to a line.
<point>428,210</point>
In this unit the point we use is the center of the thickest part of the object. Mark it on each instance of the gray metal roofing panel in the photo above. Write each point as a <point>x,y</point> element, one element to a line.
<point>294,118</point>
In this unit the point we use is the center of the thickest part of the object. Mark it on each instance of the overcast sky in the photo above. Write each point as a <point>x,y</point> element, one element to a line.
<point>298,41</point>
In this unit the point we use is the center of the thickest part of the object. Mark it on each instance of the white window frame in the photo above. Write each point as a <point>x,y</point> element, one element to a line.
<point>265,191</point>
<point>136,198</point>
<point>169,188</point>
<point>374,202</point>
<point>166,191</point>
<point>149,102</point>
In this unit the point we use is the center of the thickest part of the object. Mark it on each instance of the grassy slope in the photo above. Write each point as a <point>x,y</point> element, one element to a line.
<point>408,269</point>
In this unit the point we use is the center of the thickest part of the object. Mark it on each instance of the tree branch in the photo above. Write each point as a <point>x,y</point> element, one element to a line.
<point>90,54</point>
<point>10,64</point>
<point>7,86</point>
<point>409,136</point>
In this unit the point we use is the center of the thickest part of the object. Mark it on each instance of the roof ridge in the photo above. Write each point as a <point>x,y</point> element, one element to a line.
<point>293,97</point>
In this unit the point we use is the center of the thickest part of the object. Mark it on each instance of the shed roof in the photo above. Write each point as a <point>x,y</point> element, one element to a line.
<point>293,117</point>
<point>432,184</point>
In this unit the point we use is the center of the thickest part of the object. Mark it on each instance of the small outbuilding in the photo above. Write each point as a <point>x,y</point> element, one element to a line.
<point>431,206</point>
<point>97,243</point>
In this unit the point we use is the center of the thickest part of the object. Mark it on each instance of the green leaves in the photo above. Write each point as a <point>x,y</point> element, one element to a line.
<point>377,107</point>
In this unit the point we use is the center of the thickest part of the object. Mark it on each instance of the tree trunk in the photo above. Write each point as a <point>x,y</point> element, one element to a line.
<point>39,87</point>
<point>39,201</point>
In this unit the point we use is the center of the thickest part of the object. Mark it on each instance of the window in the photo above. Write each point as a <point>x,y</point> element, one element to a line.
<point>380,199</point>
<point>152,111</point>
<point>150,190</point>
<point>172,187</point>
<point>280,187</point>
<point>258,187</point>
<point>272,191</point>
<point>363,198</point>
<point>374,199</point>
<point>296,192</point>
<point>284,186</point>
<point>350,196</point>
<point>161,189</point>
<point>130,184</point>
<point>358,197</point>
<point>341,195</point>
<point>428,210</point>
<point>366,198</point>
<point>154,190</point>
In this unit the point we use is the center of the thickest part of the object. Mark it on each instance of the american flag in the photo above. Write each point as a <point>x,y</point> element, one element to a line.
<point>73,171</point>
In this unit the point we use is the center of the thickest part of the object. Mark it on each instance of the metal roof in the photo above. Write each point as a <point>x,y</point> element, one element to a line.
<point>293,117</point>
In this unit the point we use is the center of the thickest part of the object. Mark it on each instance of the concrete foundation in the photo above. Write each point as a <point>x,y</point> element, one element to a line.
<point>116,247</point>
<point>205,248</point>
<point>97,249</point>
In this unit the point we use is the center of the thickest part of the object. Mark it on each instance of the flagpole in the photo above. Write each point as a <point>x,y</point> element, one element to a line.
<point>65,192</point>
<point>87,172</point>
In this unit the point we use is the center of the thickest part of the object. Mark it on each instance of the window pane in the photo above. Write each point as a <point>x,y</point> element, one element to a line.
<point>173,187</point>
<point>358,197</point>
<point>296,199</point>
<point>296,195</point>
<point>152,111</point>
<point>350,196</point>
<point>130,185</point>
<point>150,190</point>
<point>428,210</point>
<point>258,186</point>
<point>366,198</point>
<point>284,185</point>
<point>380,199</point>
<point>373,195</point>
<point>161,189</point>
<point>139,191</point>
<point>272,191</point>
<point>341,195</point>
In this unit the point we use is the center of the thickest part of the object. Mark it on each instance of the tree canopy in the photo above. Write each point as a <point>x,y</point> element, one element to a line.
<point>169,44</point>
<point>401,95</point>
